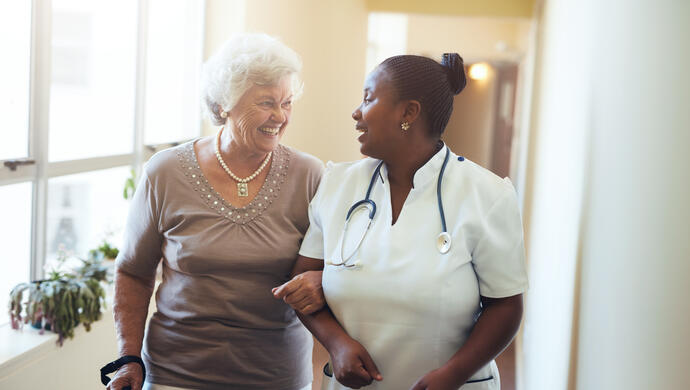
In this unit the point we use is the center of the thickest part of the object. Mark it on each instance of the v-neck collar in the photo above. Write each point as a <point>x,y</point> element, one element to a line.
<point>427,172</point>
<point>241,215</point>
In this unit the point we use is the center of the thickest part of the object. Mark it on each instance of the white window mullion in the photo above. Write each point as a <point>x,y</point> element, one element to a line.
<point>23,173</point>
<point>63,168</point>
<point>140,97</point>
<point>39,113</point>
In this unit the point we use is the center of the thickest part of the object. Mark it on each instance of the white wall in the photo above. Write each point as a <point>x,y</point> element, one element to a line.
<point>554,189</point>
<point>635,315</point>
<point>607,210</point>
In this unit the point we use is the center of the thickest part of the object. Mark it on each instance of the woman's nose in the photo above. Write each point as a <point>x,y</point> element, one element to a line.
<point>278,115</point>
<point>356,114</point>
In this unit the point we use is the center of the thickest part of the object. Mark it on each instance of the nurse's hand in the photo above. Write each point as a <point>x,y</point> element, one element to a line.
<point>352,364</point>
<point>303,292</point>
<point>439,379</point>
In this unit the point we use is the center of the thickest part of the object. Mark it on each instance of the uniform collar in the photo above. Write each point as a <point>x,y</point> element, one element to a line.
<point>430,170</point>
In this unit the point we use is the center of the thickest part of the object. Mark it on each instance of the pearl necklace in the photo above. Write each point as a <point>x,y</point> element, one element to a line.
<point>242,188</point>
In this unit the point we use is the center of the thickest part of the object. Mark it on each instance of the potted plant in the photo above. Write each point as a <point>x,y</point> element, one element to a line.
<point>63,300</point>
<point>105,251</point>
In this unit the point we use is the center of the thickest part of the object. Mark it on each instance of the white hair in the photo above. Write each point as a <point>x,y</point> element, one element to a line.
<point>245,60</point>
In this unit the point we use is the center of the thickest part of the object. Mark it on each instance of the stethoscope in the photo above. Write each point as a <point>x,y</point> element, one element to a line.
<point>443,240</point>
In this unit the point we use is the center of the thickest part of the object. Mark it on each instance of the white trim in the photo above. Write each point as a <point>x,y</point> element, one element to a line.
<point>22,174</point>
<point>140,91</point>
<point>38,126</point>
<point>72,167</point>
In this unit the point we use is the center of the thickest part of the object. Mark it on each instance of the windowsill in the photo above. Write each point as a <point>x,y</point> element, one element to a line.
<point>19,347</point>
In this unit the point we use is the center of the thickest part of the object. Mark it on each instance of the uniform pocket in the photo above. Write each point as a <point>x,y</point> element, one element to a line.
<point>489,383</point>
<point>486,379</point>
<point>327,370</point>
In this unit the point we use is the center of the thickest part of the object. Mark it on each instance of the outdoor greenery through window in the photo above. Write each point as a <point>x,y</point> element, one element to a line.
<point>89,90</point>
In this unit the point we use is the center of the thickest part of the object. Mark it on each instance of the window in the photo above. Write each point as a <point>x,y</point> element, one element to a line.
<point>84,102</point>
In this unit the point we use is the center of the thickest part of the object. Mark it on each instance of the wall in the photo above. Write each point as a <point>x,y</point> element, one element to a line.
<point>496,8</point>
<point>635,313</point>
<point>554,191</point>
<point>474,38</point>
<point>471,126</point>
<point>331,38</point>
<point>607,205</point>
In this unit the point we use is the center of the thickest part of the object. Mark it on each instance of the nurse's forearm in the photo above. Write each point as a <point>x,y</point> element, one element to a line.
<point>496,327</point>
<point>321,324</point>
<point>325,328</point>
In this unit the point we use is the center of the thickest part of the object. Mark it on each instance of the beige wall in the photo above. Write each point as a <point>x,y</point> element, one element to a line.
<point>331,38</point>
<point>474,38</point>
<point>470,129</point>
<point>495,8</point>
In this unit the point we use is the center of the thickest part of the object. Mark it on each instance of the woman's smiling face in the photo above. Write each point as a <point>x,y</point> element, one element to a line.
<point>259,118</point>
<point>379,116</point>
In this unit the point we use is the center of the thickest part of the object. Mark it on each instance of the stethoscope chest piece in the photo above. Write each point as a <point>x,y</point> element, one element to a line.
<point>443,242</point>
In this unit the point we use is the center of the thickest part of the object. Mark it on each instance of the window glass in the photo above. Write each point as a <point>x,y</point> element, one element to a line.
<point>84,209</point>
<point>15,41</point>
<point>174,56</point>
<point>15,236</point>
<point>92,94</point>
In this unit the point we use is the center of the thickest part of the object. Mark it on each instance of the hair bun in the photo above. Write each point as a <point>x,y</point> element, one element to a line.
<point>455,68</point>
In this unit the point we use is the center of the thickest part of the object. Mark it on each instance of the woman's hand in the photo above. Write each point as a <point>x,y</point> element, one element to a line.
<point>352,364</point>
<point>303,292</point>
<point>128,375</point>
<point>439,379</point>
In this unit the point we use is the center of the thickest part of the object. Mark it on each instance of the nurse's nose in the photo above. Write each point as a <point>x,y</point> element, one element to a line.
<point>356,114</point>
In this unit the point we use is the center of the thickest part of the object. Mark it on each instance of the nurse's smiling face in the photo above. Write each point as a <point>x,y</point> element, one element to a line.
<point>379,116</point>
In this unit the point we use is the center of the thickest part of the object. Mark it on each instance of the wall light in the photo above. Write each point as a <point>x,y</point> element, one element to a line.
<point>479,71</point>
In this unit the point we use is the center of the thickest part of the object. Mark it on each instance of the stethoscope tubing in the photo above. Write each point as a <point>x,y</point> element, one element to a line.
<point>371,205</point>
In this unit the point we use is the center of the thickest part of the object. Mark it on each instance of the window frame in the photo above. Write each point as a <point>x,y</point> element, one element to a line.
<point>39,170</point>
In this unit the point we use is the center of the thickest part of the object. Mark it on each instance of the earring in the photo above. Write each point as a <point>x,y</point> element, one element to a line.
<point>405,126</point>
<point>223,114</point>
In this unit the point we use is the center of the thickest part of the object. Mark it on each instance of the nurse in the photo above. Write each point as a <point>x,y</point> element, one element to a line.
<point>424,276</point>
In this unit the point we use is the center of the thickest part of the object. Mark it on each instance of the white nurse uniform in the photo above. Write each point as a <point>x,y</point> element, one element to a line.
<point>410,306</point>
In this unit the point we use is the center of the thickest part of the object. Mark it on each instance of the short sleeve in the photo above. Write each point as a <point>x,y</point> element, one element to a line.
<point>141,251</point>
<point>312,244</point>
<point>499,257</point>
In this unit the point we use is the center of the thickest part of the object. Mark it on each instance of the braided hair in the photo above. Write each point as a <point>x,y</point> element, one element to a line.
<point>432,84</point>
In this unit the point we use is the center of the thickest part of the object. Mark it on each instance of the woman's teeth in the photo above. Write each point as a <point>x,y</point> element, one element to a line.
<point>269,130</point>
<point>361,129</point>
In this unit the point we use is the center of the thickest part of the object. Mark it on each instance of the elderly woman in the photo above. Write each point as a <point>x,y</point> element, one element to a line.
<point>226,215</point>
<point>424,290</point>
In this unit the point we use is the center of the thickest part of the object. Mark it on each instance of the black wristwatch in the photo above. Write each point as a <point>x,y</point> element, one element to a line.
<point>115,365</point>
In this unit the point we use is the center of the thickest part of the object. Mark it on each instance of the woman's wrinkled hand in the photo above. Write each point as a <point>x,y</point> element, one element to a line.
<point>128,376</point>
<point>439,379</point>
<point>303,292</point>
<point>352,365</point>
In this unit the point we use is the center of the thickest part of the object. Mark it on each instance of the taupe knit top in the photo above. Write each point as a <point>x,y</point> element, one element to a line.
<point>217,325</point>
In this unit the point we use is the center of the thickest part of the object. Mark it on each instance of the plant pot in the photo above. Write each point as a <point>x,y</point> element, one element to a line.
<point>37,325</point>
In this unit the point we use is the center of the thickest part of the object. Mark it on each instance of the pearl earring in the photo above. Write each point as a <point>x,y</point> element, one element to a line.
<point>223,114</point>
<point>405,126</point>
